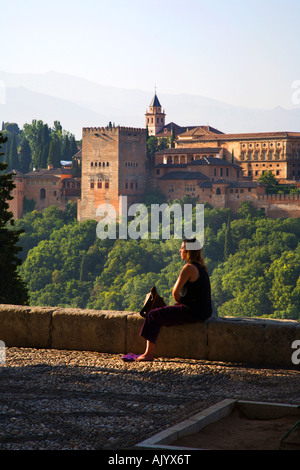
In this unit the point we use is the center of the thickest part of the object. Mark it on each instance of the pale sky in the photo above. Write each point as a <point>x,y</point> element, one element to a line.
<point>243,52</point>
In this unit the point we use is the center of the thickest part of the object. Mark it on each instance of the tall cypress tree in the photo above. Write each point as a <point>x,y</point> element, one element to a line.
<point>25,156</point>
<point>12,288</point>
<point>54,152</point>
<point>228,246</point>
<point>65,149</point>
<point>13,155</point>
<point>73,146</point>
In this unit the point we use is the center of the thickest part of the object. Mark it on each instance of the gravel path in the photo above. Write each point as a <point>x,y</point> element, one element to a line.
<point>55,400</point>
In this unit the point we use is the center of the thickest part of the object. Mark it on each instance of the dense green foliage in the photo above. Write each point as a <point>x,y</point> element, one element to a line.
<point>254,263</point>
<point>36,146</point>
<point>274,187</point>
<point>12,288</point>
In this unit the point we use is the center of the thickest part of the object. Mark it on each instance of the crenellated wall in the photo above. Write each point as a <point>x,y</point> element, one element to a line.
<point>261,342</point>
<point>113,164</point>
<point>279,205</point>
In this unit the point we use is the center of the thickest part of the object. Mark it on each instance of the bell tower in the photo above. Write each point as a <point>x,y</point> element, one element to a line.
<point>155,118</point>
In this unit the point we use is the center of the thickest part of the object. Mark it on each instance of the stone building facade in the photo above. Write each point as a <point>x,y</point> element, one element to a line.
<point>155,117</point>
<point>209,178</point>
<point>46,187</point>
<point>278,152</point>
<point>205,163</point>
<point>113,165</point>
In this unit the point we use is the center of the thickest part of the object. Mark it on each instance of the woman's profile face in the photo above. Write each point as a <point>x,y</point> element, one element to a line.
<point>182,251</point>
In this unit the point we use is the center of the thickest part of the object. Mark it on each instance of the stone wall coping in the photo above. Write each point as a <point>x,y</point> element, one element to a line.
<point>257,341</point>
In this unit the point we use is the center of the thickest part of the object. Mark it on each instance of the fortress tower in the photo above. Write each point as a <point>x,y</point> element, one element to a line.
<point>155,118</point>
<point>113,164</point>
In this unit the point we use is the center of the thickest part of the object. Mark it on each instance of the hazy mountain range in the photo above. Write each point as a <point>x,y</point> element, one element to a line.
<point>78,103</point>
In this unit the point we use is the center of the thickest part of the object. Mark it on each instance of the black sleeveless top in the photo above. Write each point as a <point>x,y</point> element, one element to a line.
<point>197,295</point>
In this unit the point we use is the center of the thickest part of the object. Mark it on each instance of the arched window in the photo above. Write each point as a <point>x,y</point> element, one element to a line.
<point>218,191</point>
<point>42,193</point>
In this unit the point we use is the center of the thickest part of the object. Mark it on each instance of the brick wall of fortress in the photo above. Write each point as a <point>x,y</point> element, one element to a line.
<point>124,149</point>
<point>284,163</point>
<point>113,163</point>
<point>279,205</point>
<point>274,205</point>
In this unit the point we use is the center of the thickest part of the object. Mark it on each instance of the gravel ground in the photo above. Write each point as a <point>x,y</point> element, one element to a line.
<point>54,400</point>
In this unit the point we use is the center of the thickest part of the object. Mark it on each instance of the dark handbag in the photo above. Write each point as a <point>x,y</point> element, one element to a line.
<point>152,300</point>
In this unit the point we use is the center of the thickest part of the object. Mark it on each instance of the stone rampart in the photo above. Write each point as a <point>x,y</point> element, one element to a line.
<point>261,342</point>
<point>279,205</point>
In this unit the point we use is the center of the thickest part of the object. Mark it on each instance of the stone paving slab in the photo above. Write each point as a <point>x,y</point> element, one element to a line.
<point>58,399</point>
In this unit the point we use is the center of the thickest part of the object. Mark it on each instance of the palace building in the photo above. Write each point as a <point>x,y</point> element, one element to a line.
<point>200,161</point>
<point>45,187</point>
<point>256,153</point>
<point>114,164</point>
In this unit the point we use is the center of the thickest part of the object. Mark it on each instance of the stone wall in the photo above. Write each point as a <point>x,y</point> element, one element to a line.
<point>279,205</point>
<point>261,342</point>
<point>113,164</point>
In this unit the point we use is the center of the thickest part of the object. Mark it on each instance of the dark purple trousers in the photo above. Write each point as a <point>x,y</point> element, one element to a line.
<point>165,316</point>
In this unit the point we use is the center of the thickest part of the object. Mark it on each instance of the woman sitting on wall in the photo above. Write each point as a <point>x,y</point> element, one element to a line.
<point>192,294</point>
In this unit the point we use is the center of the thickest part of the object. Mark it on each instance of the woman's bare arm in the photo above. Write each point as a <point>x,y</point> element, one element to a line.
<point>184,276</point>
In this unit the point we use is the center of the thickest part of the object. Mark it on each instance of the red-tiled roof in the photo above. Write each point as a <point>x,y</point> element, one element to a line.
<point>241,136</point>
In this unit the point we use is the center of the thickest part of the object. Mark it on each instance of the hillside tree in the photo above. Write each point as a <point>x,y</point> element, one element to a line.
<point>12,288</point>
